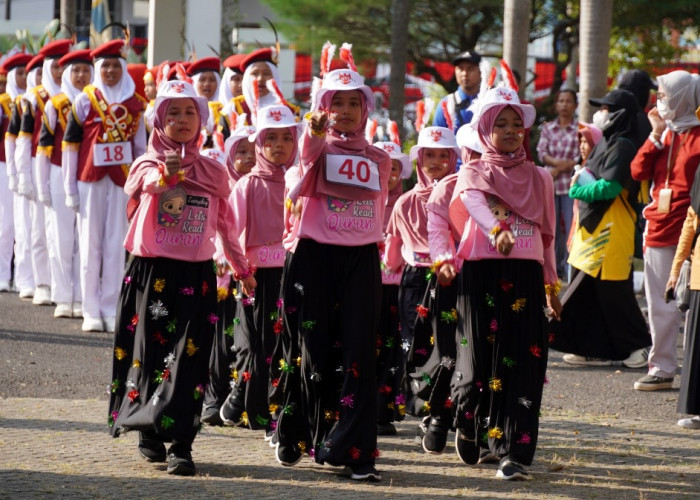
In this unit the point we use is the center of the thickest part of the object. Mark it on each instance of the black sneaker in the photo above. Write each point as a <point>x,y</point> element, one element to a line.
<point>387,429</point>
<point>466,447</point>
<point>435,439</point>
<point>421,430</point>
<point>210,416</point>
<point>181,464</point>
<point>287,455</point>
<point>486,457</point>
<point>511,470</point>
<point>361,472</point>
<point>653,383</point>
<point>151,449</point>
<point>231,413</point>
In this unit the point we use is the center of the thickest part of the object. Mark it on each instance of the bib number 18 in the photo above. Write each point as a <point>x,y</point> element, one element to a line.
<point>112,153</point>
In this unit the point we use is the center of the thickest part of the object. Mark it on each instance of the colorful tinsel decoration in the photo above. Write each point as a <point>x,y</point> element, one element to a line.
<point>518,305</point>
<point>489,300</point>
<point>422,311</point>
<point>212,318</point>
<point>228,331</point>
<point>448,403</point>
<point>469,415</point>
<point>509,362</point>
<point>205,288</point>
<point>449,317</point>
<point>187,290</point>
<point>421,351</point>
<point>496,433</point>
<point>246,376</point>
<point>302,446</point>
<point>525,402</point>
<point>159,285</point>
<point>354,452</point>
<point>425,408</point>
<point>495,384</point>
<point>171,326</point>
<point>191,348</point>
<point>308,325</point>
<point>353,370</point>
<point>119,353</point>
<point>348,401</point>
<point>273,408</point>
<point>426,378</point>
<point>221,294</point>
<point>114,386</point>
<point>166,422</point>
<point>298,361</point>
<point>236,321</point>
<point>464,342</point>
<point>127,280</point>
<point>169,359</point>
<point>158,309</point>
<point>278,327</point>
<point>198,392</point>
<point>536,351</point>
<point>244,418</point>
<point>505,285</point>
<point>133,395</point>
<point>286,367</point>
<point>493,326</point>
<point>112,418</point>
<point>524,438</point>
<point>158,337</point>
<point>136,363</point>
<point>262,421</point>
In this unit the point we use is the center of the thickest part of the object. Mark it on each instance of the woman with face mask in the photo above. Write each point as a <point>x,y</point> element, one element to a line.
<point>600,319</point>
<point>669,158</point>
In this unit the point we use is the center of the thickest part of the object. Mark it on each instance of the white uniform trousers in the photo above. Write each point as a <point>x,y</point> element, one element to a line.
<point>102,227</point>
<point>63,243</point>
<point>24,275</point>
<point>7,225</point>
<point>664,319</point>
<point>40,248</point>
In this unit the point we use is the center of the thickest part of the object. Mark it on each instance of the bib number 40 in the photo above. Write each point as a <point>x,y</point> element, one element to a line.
<point>355,171</point>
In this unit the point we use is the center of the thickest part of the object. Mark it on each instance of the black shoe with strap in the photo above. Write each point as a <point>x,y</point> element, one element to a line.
<point>151,448</point>
<point>435,439</point>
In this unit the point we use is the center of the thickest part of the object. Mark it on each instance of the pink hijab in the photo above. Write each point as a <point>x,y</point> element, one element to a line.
<point>201,173</point>
<point>265,195</point>
<point>352,143</point>
<point>409,218</point>
<point>510,177</point>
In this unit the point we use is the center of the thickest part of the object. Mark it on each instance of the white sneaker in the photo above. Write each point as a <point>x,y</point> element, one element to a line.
<point>92,325</point>
<point>42,296</point>
<point>26,293</point>
<point>5,286</point>
<point>638,358</point>
<point>63,310</point>
<point>77,309</point>
<point>109,324</point>
<point>576,360</point>
<point>690,423</point>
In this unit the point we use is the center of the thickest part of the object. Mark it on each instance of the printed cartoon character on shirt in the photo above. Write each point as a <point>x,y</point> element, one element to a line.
<point>171,206</point>
<point>521,228</point>
<point>338,204</point>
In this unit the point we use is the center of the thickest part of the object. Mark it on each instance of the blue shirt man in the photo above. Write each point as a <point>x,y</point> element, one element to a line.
<point>468,77</point>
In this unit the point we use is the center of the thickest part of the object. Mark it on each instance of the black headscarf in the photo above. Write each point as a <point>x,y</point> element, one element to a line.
<point>611,157</point>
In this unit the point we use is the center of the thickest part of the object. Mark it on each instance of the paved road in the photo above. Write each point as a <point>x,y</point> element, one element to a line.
<point>599,438</point>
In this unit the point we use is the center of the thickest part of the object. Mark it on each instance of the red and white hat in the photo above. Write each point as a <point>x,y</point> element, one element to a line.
<point>435,137</point>
<point>503,95</point>
<point>177,89</point>
<point>237,135</point>
<point>468,137</point>
<point>277,116</point>
<point>395,153</point>
<point>344,79</point>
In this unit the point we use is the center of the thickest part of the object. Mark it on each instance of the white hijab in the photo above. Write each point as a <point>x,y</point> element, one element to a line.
<point>248,93</point>
<point>217,92</point>
<point>12,89</point>
<point>31,78</point>
<point>67,86</point>
<point>225,94</point>
<point>47,80</point>
<point>121,91</point>
<point>682,99</point>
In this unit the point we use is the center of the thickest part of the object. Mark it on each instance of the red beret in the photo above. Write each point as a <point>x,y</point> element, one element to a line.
<point>35,62</point>
<point>260,55</point>
<point>20,59</point>
<point>113,48</point>
<point>77,56</point>
<point>204,64</point>
<point>234,62</point>
<point>56,49</point>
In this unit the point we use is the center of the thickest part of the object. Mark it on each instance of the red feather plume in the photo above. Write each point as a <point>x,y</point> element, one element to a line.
<point>346,56</point>
<point>509,77</point>
<point>420,115</point>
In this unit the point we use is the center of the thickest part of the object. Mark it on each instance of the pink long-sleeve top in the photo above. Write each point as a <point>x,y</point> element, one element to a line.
<point>269,254</point>
<point>336,221</point>
<point>290,237</point>
<point>486,213</point>
<point>181,223</point>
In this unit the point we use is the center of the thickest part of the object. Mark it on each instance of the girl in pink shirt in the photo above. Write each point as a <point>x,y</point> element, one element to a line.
<point>257,202</point>
<point>239,155</point>
<point>508,278</point>
<point>333,284</point>
<point>167,305</point>
<point>427,372</point>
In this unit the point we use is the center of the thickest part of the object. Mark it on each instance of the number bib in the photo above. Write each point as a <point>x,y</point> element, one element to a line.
<point>108,154</point>
<point>355,171</point>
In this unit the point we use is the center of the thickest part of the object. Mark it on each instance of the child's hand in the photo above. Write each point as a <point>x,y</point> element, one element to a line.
<point>504,242</point>
<point>248,285</point>
<point>554,306</point>
<point>447,273</point>
<point>172,163</point>
<point>318,121</point>
<point>222,268</point>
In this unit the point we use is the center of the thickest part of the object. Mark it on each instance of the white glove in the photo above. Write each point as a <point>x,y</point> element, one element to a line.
<point>45,198</point>
<point>72,201</point>
<point>25,187</point>
<point>12,183</point>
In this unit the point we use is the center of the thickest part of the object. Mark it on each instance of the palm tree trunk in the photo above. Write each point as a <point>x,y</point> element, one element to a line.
<point>516,33</point>
<point>596,23</point>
